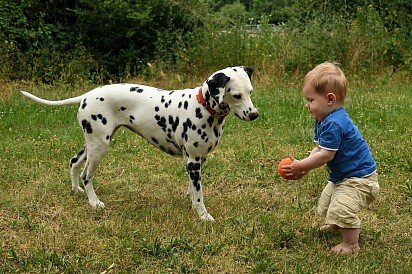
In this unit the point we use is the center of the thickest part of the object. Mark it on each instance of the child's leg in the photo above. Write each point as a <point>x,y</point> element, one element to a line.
<point>324,200</point>
<point>349,242</point>
<point>327,228</point>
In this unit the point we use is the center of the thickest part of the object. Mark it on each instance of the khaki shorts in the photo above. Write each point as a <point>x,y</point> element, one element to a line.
<point>341,202</point>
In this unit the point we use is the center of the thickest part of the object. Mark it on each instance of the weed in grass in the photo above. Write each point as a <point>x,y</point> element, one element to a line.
<point>407,190</point>
<point>256,259</point>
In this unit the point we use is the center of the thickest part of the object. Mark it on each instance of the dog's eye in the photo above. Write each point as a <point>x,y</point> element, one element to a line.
<point>237,96</point>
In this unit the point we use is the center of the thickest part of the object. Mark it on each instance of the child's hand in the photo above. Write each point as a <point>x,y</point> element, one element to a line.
<point>293,171</point>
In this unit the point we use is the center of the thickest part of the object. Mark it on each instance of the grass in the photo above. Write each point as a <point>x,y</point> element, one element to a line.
<point>263,224</point>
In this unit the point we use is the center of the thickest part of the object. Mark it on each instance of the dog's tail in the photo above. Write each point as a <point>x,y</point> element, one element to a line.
<point>70,101</point>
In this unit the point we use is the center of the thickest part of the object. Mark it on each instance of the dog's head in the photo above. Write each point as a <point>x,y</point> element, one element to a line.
<point>230,89</point>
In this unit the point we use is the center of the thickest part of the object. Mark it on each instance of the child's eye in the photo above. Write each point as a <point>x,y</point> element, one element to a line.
<point>237,96</point>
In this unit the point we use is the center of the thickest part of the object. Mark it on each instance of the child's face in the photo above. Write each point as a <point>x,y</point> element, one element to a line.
<point>319,105</point>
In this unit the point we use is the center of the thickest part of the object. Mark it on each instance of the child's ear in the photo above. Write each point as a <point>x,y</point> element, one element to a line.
<point>331,98</point>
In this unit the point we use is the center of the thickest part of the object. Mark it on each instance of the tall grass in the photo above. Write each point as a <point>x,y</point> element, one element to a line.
<point>263,223</point>
<point>363,45</point>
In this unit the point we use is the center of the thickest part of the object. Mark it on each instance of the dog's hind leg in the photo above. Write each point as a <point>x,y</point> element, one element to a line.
<point>96,149</point>
<point>195,188</point>
<point>75,164</point>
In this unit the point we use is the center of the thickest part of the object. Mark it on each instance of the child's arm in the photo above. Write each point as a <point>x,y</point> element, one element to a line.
<point>317,158</point>
<point>314,150</point>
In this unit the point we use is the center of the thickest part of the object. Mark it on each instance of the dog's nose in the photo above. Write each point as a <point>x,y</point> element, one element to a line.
<point>253,116</point>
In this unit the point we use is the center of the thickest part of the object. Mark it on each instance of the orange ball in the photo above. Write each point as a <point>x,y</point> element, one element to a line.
<point>284,162</point>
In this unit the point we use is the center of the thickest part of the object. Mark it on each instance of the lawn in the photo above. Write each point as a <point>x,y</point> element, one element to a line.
<point>264,224</point>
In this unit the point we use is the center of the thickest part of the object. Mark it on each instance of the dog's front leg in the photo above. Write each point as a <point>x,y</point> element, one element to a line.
<point>194,170</point>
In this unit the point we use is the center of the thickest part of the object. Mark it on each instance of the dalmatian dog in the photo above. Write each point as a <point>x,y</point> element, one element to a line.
<point>185,123</point>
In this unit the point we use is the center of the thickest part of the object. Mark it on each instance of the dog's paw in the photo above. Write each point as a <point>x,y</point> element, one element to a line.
<point>77,189</point>
<point>207,217</point>
<point>98,205</point>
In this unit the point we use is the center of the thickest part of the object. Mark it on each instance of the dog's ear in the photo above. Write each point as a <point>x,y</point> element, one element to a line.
<point>249,71</point>
<point>216,85</point>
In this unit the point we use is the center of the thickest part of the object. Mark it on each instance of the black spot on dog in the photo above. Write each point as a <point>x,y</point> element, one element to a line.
<point>123,108</point>
<point>131,119</point>
<point>161,122</point>
<point>163,99</point>
<point>175,124</point>
<point>136,89</point>
<point>216,132</point>
<point>210,121</point>
<point>108,137</point>
<point>204,136</point>
<point>85,180</point>
<point>73,161</point>
<point>184,132</point>
<point>180,105</point>
<point>199,113</point>
<point>155,140</point>
<point>100,117</point>
<point>87,127</point>
<point>156,109</point>
<point>186,105</point>
<point>189,123</point>
<point>84,104</point>
<point>194,174</point>
<point>196,144</point>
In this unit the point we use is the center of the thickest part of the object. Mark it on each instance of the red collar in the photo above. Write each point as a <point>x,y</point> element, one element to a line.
<point>205,104</point>
<point>202,101</point>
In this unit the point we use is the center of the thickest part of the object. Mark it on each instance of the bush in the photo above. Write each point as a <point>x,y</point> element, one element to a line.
<point>115,40</point>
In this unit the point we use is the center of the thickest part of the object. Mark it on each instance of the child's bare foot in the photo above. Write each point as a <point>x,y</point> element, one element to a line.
<point>327,228</point>
<point>345,249</point>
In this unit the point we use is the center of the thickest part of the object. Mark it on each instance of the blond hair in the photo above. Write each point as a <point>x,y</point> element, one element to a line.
<point>328,78</point>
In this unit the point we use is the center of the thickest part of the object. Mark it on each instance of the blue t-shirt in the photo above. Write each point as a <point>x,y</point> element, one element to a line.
<point>353,157</point>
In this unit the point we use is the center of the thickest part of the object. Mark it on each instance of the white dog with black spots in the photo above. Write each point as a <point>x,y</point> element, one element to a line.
<point>185,123</point>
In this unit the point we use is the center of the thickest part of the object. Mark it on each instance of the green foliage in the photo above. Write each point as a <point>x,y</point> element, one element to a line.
<point>360,36</point>
<point>107,40</point>
<point>372,34</point>
<point>114,38</point>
